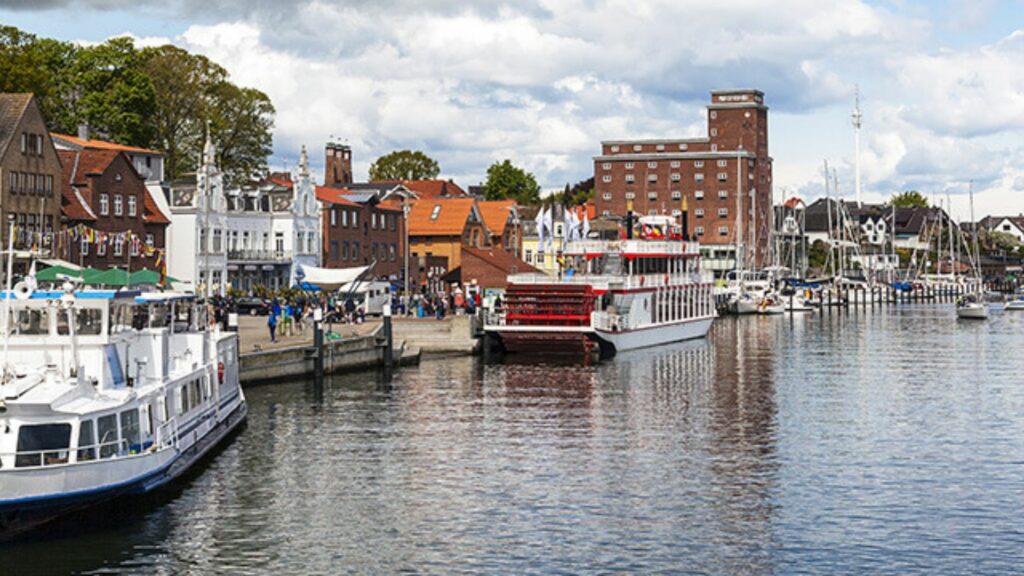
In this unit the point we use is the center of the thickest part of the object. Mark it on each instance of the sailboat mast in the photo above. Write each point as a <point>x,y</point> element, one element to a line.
<point>828,211</point>
<point>857,117</point>
<point>974,234</point>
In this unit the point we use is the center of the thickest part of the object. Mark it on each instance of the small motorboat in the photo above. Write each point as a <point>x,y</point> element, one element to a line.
<point>971,307</point>
<point>1015,304</point>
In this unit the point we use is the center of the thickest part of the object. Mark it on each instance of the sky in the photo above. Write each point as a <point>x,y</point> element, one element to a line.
<point>543,82</point>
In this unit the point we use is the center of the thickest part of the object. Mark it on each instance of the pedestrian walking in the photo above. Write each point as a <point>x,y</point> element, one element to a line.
<point>272,325</point>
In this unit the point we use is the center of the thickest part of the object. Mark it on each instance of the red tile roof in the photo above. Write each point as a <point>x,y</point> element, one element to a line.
<point>495,214</point>
<point>431,188</point>
<point>104,145</point>
<point>498,260</point>
<point>449,220</point>
<point>151,213</point>
<point>334,195</point>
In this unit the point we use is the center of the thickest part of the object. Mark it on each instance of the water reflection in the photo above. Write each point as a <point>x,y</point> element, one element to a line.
<point>841,443</point>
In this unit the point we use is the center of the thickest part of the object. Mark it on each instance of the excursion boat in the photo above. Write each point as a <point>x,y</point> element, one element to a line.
<point>106,394</point>
<point>612,296</point>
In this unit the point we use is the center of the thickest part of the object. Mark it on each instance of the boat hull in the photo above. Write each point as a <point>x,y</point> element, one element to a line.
<point>976,312</point>
<point>44,494</point>
<point>655,335</point>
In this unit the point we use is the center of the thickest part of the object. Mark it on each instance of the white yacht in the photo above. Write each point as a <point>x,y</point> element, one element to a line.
<point>106,393</point>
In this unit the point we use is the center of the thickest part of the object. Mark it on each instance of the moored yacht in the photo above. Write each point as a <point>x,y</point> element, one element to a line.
<point>106,393</point>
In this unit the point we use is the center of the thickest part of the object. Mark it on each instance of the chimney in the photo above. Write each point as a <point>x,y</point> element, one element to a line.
<point>83,131</point>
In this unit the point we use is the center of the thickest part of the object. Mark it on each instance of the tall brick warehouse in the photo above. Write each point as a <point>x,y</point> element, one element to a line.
<point>723,175</point>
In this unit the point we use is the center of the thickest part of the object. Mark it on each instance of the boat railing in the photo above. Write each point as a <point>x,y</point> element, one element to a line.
<point>494,318</point>
<point>51,457</point>
<point>167,433</point>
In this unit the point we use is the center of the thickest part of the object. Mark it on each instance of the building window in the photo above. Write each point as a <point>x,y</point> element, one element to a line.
<point>606,178</point>
<point>723,212</point>
<point>49,185</point>
<point>699,212</point>
<point>217,240</point>
<point>699,194</point>
<point>637,147</point>
<point>676,177</point>
<point>118,205</point>
<point>723,176</point>
<point>676,212</point>
<point>682,146</point>
<point>652,212</point>
<point>24,142</point>
<point>630,178</point>
<point>615,148</point>
<point>84,246</point>
<point>652,164</point>
<point>714,147</point>
<point>714,132</point>
<point>118,247</point>
<point>133,247</point>
<point>529,256</point>
<point>629,165</point>
<point>606,166</point>
<point>723,230</point>
<point>131,205</point>
<point>393,252</point>
<point>723,163</point>
<point>699,230</point>
<point>698,163</point>
<point>344,250</point>
<point>674,164</point>
<point>355,219</point>
<point>698,177</point>
<point>677,195</point>
<point>104,205</point>
<point>334,249</point>
<point>150,240</point>
<point>660,147</point>
<point>722,194</point>
<point>435,212</point>
<point>373,220</point>
<point>334,217</point>
<point>630,195</point>
<point>714,114</point>
<point>606,213</point>
<point>607,196</point>
<point>652,195</point>
<point>652,177</point>
<point>101,249</point>
<point>12,182</point>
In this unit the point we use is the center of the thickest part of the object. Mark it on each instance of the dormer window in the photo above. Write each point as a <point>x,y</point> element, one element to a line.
<point>436,212</point>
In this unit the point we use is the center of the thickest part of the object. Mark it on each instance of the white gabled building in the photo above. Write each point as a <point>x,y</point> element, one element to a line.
<point>258,234</point>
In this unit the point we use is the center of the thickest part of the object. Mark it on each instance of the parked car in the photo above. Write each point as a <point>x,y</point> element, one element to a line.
<point>253,306</point>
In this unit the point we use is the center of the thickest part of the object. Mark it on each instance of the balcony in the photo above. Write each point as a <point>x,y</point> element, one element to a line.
<point>259,256</point>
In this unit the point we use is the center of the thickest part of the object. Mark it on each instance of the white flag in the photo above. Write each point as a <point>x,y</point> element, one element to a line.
<point>550,227</point>
<point>540,229</point>
<point>586,225</point>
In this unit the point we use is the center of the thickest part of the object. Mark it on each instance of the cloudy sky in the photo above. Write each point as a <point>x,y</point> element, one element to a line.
<point>542,82</point>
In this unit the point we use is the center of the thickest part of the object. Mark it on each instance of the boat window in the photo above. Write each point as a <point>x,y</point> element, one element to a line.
<point>147,420</point>
<point>106,427</point>
<point>62,323</point>
<point>120,319</point>
<point>30,322</point>
<point>130,430</point>
<point>86,439</point>
<point>43,444</point>
<point>90,322</point>
<point>161,408</point>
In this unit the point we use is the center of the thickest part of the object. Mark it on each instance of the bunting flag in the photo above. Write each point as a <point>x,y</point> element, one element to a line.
<point>82,234</point>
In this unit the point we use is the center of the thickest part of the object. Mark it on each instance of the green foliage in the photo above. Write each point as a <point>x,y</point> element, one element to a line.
<point>577,195</point>
<point>909,199</point>
<point>404,165</point>
<point>158,98</point>
<point>817,255</point>
<point>504,180</point>
<point>1003,242</point>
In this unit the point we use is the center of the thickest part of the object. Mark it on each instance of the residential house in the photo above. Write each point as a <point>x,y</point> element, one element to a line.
<point>439,228</point>
<point>488,267</point>
<point>121,225</point>
<point>501,217</point>
<point>1012,225</point>
<point>362,228</point>
<point>30,173</point>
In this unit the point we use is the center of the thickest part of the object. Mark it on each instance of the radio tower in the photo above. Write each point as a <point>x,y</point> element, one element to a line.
<point>856,141</point>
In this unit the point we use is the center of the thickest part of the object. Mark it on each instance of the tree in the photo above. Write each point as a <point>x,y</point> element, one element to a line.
<point>504,180</point>
<point>185,85</point>
<point>404,165</point>
<point>909,199</point>
<point>817,256</point>
<point>240,123</point>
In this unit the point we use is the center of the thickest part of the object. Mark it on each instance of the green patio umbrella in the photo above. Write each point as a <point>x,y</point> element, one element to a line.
<point>51,274</point>
<point>147,276</point>
<point>112,277</point>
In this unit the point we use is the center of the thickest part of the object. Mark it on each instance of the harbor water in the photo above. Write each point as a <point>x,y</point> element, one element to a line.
<point>874,442</point>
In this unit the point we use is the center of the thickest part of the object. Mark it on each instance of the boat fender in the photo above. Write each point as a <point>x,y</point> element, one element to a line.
<point>641,280</point>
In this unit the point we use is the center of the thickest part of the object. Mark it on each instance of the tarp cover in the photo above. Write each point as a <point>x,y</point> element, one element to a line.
<point>330,279</point>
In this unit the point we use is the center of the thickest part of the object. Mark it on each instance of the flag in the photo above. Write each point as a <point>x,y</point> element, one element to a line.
<point>586,225</point>
<point>550,227</point>
<point>540,229</point>
<point>566,224</point>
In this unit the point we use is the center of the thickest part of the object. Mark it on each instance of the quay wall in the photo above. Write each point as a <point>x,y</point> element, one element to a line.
<point>451,335</point>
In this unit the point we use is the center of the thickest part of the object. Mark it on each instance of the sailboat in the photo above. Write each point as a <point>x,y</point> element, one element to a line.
<point>972,305</point>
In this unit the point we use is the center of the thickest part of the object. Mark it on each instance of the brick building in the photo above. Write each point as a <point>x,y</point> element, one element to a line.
<point>503,224</point>
<point>102,190</point>
<point>722,176</point>
<point>488,267</point>
<point>441,227</point>
<point>360,228</point>
<point>30,173</point>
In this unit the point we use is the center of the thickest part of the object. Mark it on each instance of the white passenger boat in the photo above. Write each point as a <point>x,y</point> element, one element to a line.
<point>614,294</point>
<point>105,394</point>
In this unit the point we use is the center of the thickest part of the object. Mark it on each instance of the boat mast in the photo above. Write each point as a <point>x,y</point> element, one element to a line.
<point>974,233</point>
<point>740,251</point>
<point>828,211</point>
<point>7,295</point>
<point>856,141</point>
